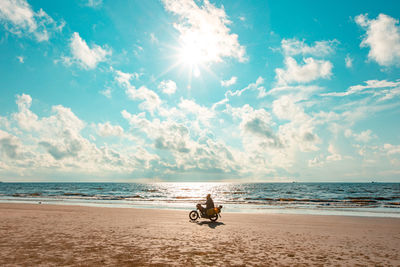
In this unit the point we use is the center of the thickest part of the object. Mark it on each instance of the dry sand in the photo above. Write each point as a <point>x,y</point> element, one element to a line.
<point>33,234</point>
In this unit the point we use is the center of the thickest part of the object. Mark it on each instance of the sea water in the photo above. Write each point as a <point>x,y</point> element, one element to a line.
<point>359,199</point>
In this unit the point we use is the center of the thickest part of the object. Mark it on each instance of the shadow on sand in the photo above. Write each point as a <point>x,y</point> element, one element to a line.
<point>212,225</point>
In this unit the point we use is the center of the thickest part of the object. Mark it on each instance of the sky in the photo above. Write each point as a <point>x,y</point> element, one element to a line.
<point>184,90</point>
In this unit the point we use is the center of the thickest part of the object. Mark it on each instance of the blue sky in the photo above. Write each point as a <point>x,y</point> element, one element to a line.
<point>199,91</point>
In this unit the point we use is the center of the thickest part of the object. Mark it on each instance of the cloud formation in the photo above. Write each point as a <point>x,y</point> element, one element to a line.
<point>292,47</point>
<point>377,87</point>
<point>167,87</point>
<point>151,101</point>
<point>229,82</point>
<point>348,61</point>
<point>364,136</point>
<point>94,3</point>
<point>9,145</point>
<point>87,57</point>
<point>204,31</point>
<point>107,129</point>
<point>19,19</point>
<point>35,144</point>
<point>382,37</point>
<point>264,129</point>
<point>311,70</point>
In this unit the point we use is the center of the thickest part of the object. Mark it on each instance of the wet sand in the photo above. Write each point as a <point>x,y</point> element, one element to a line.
<point>56,235</point>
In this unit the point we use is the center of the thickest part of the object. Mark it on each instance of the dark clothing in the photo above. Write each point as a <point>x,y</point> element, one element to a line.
<point>209,203</point>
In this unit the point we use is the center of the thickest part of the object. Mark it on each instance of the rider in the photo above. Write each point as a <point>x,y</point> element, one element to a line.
<point>209,204</point>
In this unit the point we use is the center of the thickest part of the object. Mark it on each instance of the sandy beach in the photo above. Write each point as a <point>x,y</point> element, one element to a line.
<point>33,234</point>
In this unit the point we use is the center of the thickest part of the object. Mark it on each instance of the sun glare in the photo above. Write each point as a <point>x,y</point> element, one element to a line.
<point>195,53</point>
<point>190,55</point>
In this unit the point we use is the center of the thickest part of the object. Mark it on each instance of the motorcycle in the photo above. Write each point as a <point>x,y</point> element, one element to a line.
<point>211,214</point>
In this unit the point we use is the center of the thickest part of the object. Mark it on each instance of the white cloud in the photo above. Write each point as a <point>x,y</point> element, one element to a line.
<point>57,134</point>
<point>334,154</point>
<point>64,118</point>
<point>107,129</point>
<point>300,89</point>
<point>229,82</point>
<point>85,56</point>
<point>204,31</point>
<point>137,50</point>
<point>94,3</point>
<point>175,139</point>
<point>19,13</point>
<point>124,78</point>
<point>57,143</point>
<point>25,118</point>
<point>106,92</point>
<point>370,84</point>
<point>315,162</point>
<point>153,38</point>
<point>292,47</point>
<point>256,86</point>
<point>19,19</point>
<point>286,109</point>
<point>311,70</point>
<point>264,148</point>
<point>9,145</point>
<point>151,101</point>
<point>185,143</point>
<point>168,87</point>
<point>390,93</point>
<point>251,86</point>
<point>299,131</point>
<point>349,61</point>
<point>364,136</point>
<point>203,114</point>
<point>383,38</point>
<point>166,135</point>
<point>391,149</point>
<point>38,144</point>
<point>256,123</point>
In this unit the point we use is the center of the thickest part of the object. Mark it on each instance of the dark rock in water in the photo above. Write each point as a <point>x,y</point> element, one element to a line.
<point>383,198</point>
<point>76,194</point>
<point>179,197</point>
<point>151,190</point>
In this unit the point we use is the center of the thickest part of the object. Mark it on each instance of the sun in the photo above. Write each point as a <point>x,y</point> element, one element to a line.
<point>191,56</point>
<point>195,52</point>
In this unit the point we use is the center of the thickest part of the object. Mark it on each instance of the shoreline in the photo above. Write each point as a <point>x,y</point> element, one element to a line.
<point>64,235</point>
<point>250,209</point>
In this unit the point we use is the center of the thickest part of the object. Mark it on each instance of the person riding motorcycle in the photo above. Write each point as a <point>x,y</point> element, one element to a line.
<point>209,204</point>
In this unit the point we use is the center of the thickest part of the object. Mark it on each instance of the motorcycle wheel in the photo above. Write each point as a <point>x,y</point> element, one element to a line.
<point>214,217</point>
<point>193,215</point>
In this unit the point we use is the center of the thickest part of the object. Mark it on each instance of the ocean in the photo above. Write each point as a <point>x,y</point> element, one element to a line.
<point>353,199</point>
